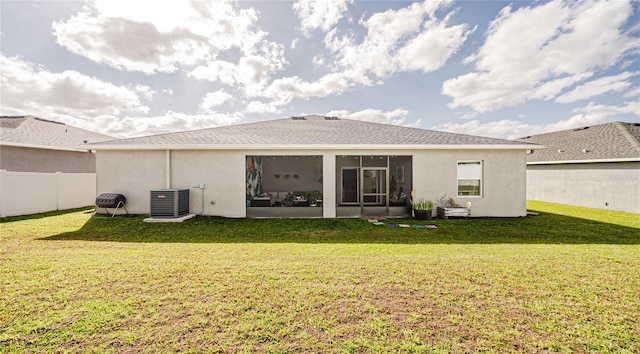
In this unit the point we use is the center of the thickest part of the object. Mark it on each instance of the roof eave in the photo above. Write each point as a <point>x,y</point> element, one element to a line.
<point>561,162</point>
<point>319,147</point>
<point>45,147</point>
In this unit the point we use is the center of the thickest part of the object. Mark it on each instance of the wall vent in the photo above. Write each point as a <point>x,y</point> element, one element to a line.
<point>169,203</point>
<point>330,118</point>
<point>298,118</point>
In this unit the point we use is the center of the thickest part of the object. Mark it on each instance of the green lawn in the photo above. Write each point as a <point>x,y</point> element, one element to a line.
<point>567,280</point>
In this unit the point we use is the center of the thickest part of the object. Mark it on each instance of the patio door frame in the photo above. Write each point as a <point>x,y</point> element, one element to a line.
<point>382,186</point>
<point>358,187</point>
<point>381,194</point>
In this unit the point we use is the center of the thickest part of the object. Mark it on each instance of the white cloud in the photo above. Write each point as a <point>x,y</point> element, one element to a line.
<point>536,51</point>
<point>468,115</point>
<point>409,39</point>
<point>591,114</point>
<point>594,113</point>
<point>430,50</point>
<point>632,93</point>
<point>506,128</point>
<point>145,91</point>
<point>31,89</point>
<point>214,99</point>
<point>130,126</point>
<point>597,87</point>
<point>150,36</point>
<point>396,117</point>
<point>552,88</point>
<point>285,89</point>
<point>252,72</point>
<point>262,108</point>
<point>218,70</point>
<point>322,15</point>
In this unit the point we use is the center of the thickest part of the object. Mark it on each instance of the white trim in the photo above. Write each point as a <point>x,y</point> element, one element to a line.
<point>46,147</point>
<point>167,169</point>
<point>560,162</point>
<point>481,179</point>
<point>319,147</point>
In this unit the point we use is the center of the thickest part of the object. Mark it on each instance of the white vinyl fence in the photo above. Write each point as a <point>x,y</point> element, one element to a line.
<point>23,193</point>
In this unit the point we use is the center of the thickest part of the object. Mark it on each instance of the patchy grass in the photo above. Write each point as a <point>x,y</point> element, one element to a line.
<point>598,215</point>
<point>546,283</point>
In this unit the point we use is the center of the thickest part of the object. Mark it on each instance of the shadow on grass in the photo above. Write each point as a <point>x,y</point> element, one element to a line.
<point>87,209</point>
<point>542,229</point>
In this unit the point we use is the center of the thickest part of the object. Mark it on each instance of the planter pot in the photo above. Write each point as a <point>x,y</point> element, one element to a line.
<point>453,212</point>
<point>422,214</point>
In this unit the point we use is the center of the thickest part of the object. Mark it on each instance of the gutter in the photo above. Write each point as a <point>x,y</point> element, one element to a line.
<point>48,147</point>
<point>560,162</point>
<point>317,147</point>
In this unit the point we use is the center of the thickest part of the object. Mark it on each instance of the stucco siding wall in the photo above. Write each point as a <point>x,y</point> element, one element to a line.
<point>132,173</point>
<point>434,173</point>
<point>503,182</point>
<point>222,172</point>
<point>589,185</point>
<point>21,159</point>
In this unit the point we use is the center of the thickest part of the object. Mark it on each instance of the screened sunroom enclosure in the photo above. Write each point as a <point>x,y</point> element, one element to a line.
<point>373,185</point>
<point>284,186</point>
<point>292,186</point>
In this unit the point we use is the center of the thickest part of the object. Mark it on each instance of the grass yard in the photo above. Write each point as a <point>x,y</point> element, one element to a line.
<point>567,280</point>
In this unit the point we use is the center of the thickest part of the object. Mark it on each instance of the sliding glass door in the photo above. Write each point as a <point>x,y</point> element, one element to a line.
<point>374,186</point>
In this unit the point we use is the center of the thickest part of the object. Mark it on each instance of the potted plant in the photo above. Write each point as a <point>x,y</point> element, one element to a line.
<point>422,209</point>
<point>314,196</point>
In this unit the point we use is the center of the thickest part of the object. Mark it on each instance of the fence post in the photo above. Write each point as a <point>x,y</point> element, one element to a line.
<point>3,212</point>
<point>58,188</point>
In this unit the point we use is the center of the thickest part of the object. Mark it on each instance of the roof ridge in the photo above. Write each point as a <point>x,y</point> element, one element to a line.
<point>632,139</point>
<point>564,131</point>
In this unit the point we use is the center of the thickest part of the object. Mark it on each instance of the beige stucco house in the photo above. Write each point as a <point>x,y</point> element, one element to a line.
<point>315,166</point>
<point>596,166</point>
<point>32,144</point>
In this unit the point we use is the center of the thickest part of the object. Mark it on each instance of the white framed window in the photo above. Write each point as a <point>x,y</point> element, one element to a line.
<point>470,178</point>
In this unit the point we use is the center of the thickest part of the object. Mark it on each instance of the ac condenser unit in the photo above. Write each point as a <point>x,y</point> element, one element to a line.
<point>169,203</point>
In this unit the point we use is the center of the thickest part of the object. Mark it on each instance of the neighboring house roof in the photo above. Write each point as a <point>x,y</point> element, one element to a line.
<point>615,141</point>
<point>34,132</point>
<point>309,132</point>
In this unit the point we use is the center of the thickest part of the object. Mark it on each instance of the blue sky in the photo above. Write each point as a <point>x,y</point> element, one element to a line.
<point>490,68</point>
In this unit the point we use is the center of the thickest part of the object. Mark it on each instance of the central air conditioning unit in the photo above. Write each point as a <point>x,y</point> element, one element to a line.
<point>169,203</point>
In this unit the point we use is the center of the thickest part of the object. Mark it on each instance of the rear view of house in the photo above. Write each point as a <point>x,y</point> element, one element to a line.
<point>596,166</point>
<point>316,166</point>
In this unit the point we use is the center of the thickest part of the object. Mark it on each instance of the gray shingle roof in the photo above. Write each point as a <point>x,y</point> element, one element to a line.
<point>30,130</point>
<point>309,130</point>
<point>615,140</point>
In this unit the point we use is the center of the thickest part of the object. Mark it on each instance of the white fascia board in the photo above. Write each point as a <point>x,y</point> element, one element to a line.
<point>562,162</point>
<point>317,147</point>
<point>45,147</point>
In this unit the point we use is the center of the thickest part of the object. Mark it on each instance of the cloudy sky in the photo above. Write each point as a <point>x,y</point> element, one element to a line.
<point>491,68</point>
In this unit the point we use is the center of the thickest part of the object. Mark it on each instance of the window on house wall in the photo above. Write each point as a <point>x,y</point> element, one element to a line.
<point>469,178</point>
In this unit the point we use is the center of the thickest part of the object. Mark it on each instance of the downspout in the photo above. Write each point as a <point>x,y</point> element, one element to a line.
<point>167,168</point>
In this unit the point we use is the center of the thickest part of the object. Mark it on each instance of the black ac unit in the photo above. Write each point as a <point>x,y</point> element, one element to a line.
<point>169,203</point>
